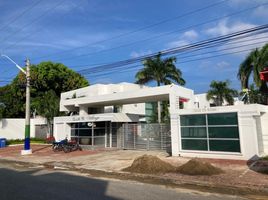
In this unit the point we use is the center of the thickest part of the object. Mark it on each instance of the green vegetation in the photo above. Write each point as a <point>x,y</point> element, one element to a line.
<point>251,67</point>
<point>163,71</point>
<point>264,158</point>
<point>220,91</point>
<point>20,141</point>
<point>48,81</point>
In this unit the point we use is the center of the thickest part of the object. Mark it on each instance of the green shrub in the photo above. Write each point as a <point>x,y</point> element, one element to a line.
<point>21,141</point>
<point>265,158</point>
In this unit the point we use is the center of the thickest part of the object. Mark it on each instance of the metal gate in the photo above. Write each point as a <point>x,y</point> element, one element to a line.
<point>146,136</point>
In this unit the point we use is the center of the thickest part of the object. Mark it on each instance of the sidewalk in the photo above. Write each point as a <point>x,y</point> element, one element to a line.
<point>238,178</point>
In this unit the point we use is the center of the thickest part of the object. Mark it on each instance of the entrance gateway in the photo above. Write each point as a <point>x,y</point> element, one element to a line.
<point>117,130</point>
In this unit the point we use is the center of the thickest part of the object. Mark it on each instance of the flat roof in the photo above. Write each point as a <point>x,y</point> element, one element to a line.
<point>152,94</point>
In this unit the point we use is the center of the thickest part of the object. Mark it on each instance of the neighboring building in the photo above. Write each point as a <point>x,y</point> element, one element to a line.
<point>14,128</point>
<point>117,115</point>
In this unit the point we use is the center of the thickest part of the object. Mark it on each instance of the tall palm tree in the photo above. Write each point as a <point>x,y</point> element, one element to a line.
<point>251,66</point>
<point>163,71</point>
<point>220,91</point>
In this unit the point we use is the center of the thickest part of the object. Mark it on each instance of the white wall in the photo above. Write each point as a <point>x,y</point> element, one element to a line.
<point>201,101</point>
<point>264,136</point>
<point>253,133</point>
<point>15,128</point>
<point>98,89</point>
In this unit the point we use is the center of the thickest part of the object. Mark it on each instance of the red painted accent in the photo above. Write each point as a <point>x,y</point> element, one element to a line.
<point>264,74</point>
<point>183,100</point>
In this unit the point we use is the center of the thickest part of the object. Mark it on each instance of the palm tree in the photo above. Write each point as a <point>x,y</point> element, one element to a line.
<point>163,71</point>
<point>220,91</point>
<point>252,65</point>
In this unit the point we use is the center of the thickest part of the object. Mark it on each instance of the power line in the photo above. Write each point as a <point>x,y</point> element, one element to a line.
<point>134,68</point>
<point>20,15</point>
<point>33,21</point>
<point>240,39</point>
<point>171,51</point>
<point>139,29</point>
<point>32,33</point>
<point>158,36</point>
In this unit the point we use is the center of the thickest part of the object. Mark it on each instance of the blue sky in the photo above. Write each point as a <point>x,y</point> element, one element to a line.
<point>65,30</point>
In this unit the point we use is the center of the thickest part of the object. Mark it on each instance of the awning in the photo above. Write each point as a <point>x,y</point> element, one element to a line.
<point>112,117</point>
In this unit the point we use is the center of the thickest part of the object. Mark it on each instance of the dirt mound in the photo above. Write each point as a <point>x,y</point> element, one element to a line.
<point>148,164</point>
<point>197,167</point>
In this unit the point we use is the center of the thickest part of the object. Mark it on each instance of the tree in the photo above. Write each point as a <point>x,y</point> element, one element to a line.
<point>46,76</point>
<point>251,66</point>
<point>252,95</point>
<point>47,105</point>
<point>220,91</point>
<point>163,71</point>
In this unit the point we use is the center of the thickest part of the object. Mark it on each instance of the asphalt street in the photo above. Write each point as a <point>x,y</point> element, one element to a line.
<point>18,183</point>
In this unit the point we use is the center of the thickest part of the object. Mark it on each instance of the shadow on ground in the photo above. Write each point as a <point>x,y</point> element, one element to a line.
<point>37,185</point>
<point>42,148</point>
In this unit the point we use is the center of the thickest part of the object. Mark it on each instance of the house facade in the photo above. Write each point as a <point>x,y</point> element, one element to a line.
<point>118,115</point>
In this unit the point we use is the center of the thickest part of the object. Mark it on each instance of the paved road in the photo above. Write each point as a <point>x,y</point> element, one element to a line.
<point>36,184</point>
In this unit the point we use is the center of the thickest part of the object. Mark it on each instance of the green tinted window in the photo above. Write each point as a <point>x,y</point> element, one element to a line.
<point>223,132</point>
<point>85,132</point>
<point>193,120</point>
<point>224,145</point>
<point>194,132</point>
<point>222,119</point>
<point>194,144</point>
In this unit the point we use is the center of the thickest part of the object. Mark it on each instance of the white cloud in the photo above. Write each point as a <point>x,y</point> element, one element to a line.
<point>239,47</point>
<point>191,35</point>
<point>224,27</point>
<point>246,2</point>
<point>261,12</point>
<point>185,39</point>
<point>136,54</point>
<point>177,43</point>
<point>223,65</point>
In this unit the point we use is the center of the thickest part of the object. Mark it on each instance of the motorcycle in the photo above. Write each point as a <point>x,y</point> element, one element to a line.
<point>72,146</point>
<point>59,146</point>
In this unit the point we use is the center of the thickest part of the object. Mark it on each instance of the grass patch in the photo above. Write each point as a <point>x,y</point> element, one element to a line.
<point>21,141</point>
<point>264,158</point>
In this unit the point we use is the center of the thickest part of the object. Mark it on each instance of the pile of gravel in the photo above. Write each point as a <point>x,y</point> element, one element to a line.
<point>197,167</point>
<point>148,164</point>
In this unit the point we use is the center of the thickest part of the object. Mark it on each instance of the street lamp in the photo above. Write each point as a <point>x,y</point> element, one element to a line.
<point>27,149</point>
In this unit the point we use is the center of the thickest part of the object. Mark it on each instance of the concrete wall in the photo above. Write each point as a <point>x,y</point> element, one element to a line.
<point>96,90</point>
<point>14,128</point>
<point>264,131</point>
<point>253,132</point>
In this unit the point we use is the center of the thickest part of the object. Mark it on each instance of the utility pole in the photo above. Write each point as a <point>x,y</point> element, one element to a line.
<point>27,148</point>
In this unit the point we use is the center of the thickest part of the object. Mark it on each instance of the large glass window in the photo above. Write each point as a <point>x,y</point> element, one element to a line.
<point>222,119</point>
<point>194,132</point>
<point>193,120</point>
<point>210,132</point>
<point>191,144</point>
<point>89,135</point>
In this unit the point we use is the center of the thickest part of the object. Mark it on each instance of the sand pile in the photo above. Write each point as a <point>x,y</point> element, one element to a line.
<point>148,164</point>
<point>197,167</point>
